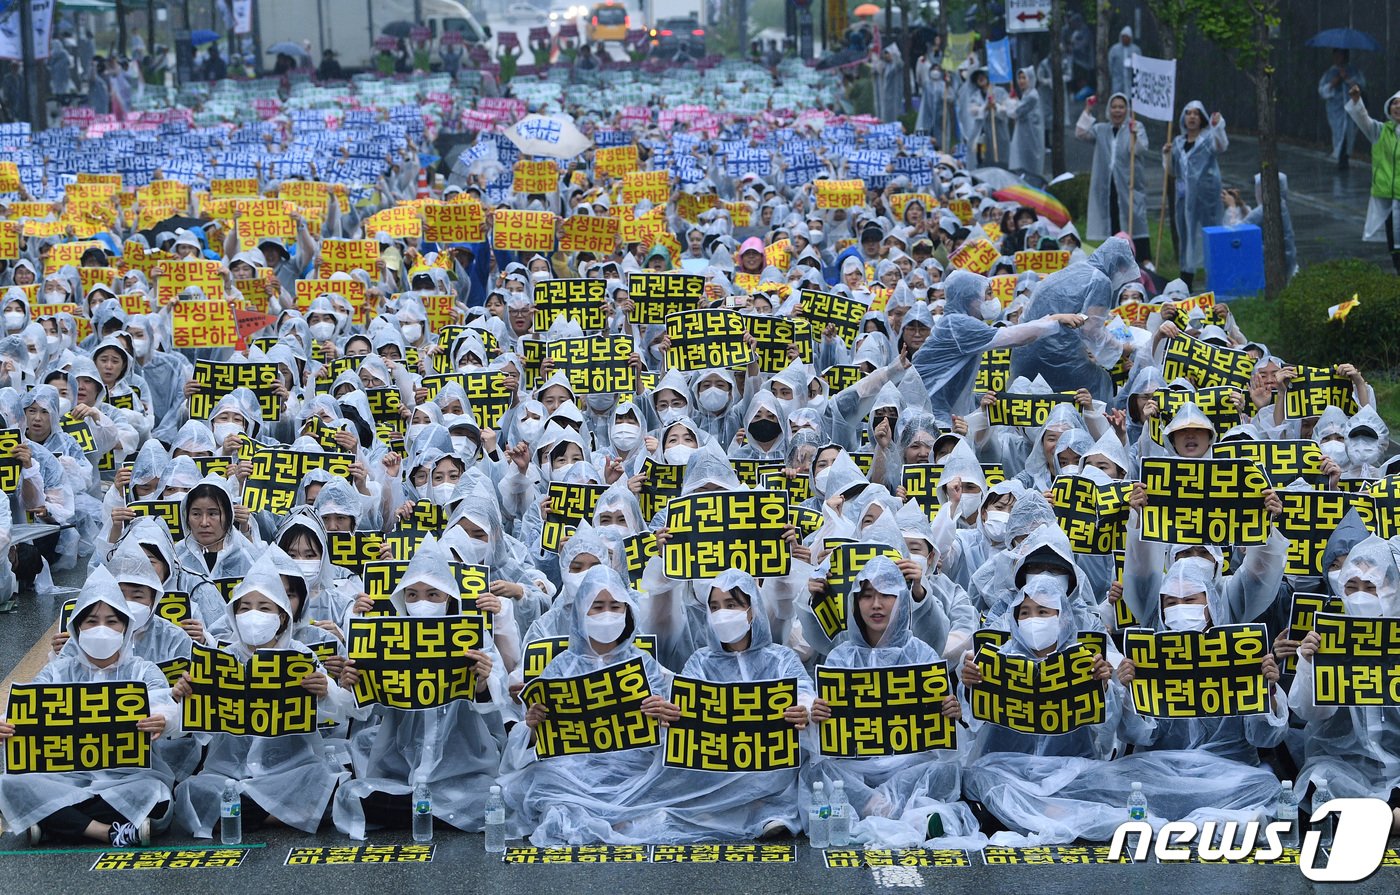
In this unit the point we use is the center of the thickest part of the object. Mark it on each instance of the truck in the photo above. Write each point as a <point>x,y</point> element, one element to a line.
<point>350,27</point>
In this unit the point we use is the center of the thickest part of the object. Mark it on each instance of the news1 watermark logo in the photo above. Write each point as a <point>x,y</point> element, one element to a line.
<point>1362,827</point>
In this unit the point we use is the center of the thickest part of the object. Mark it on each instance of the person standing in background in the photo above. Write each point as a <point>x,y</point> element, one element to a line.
<point>1120,57</point>
<point>1336,83</point>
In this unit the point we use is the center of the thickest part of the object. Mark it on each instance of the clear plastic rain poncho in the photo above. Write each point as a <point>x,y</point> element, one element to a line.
<point>705,806</point>
<point>1200,768</point>
<point>1046,789</point>
<point>26,799</point>
<point>286,776</point>
<point>893,795</point>
<point>1074,359</point>
<point>580,799</point>
<point>455,749</point>
<point>1356,749</point>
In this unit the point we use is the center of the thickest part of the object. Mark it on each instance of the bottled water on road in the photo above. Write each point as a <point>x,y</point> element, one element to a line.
<point>1137,803</point>
<point>840,823</point>
<point>422,813</point>
<point>819,818</point>
<point>495,822</point>
<point>1322,794</point>
<point>1286,811</point>
<point>231,815</point>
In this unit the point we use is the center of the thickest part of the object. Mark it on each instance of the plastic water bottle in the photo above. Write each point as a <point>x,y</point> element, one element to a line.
<point>495,822</point>
<point>422,813</point>
<point>819,818</point>
<point>231,815</point>
<point>1322,794</point>
<point>1137,803</point>
<point>840,826</point>
<point>1286,811</point>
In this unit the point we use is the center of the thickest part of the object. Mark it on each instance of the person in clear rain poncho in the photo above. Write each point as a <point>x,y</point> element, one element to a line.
<point>579,799</point>
<point>455,748</point>
<point>1191,158</point>
<point>1119,144</point>
<point>1355,749</point>
<point>707,806</point>
<point>893,796</point>
<point>1037,785</point>
<point>115,807</point>
<point>1199,768</point>
<point>1067,360</point>
<point>283,777</point>
<point>947,362</point>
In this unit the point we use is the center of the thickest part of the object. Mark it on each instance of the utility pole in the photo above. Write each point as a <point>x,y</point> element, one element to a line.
<point>1057,88</point>
<point>33,97</point>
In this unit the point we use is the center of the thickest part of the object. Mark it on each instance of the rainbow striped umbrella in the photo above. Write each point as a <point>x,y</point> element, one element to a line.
<point>1044,204</point>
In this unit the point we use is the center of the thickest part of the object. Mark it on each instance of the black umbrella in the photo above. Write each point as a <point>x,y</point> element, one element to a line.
<point>171,224</point>
<point>398,29</point>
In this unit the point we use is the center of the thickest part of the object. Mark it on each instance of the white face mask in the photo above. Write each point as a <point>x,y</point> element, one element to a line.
<point>1185,617</point>
<point>416,429</point>
<point>14,320</point>
<point>1048,583</point>
<point>101,642</point>
<point>557,473</point>
<point>441,494</point>
<point>1337,450</point>
<point>411,332</point>
<point>64,406</point>
<point>970,505</point>
<point>994,525</point>
<point>677,454</point>
<point>712,398</point>
<point>539,276</point>
<point>257,627</point>
<point>1364,449</point>
<point>730,625</point>
<point>613,531</point>
<point>1363,605</point>
<point>322,331</point>
<point>600,403</point>
<point>140,614</point>
<point>222,431</point>
<point>1041,632</point>
<point>605,627</point>
<point>991,309</point>
<point>822,479</point>
<point>625,436</point>
<point>474,552</point>
<point>462,444</point>
<point>530,428</point>
<point>140,347</point>
<point>426,609</point>
<point>572,580</point>
<point>309,568</point>
<point>52,340</point>
<point>1337,581</point>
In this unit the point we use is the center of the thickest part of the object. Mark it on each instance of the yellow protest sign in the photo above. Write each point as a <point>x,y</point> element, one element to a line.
<point>632,227</point>
<point>1003,288</point>
<point>264,219</point>
<point>840,193</point>
<point>535,177</point>
<point>96,276</point>
<point>615,161</point>
<point>181,275</point>
<point>1041,262</point>
<point>523,231</point>
<point>463,221</point>
<point>589,233</point>
<point>233,188</point>
<point>353,291</point>
<point>900,201</point>
<point>9,239</point>
<point>978,256</point>
<point>25,210</point>
<point>166,191</point>
<point>345,255</point>
<point>65,253</point>
<point>114,180</point>
<point>400,222</point>
<point>962,209</point>
<point>654,186</point>
<point>203,324</point>
<point>741,213</point>
<point>9,177</point>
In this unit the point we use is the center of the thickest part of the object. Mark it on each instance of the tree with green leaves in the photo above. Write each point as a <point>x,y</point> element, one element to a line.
<point>1243,30</point>
<point>1172,17</point>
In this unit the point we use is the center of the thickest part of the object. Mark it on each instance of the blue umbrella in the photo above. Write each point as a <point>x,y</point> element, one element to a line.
<point>201,36</point>
<point>1343,39</point>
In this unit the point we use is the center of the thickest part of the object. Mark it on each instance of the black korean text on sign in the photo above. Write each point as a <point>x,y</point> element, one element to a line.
<point>717,530</point>
<point>1198,674</point>
<point>1052,696</point>
<point>732,727</point>
<point>1204,502</point>
<point>592,713</point>
<point>61,728</point>
<point>262,698</point>
<point>885,711</point>
<point>415,663</point>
